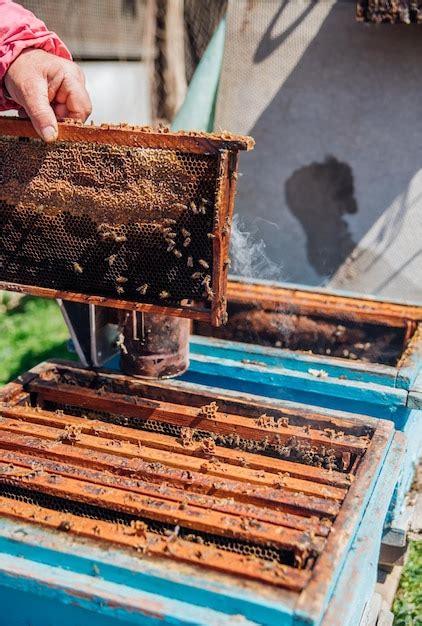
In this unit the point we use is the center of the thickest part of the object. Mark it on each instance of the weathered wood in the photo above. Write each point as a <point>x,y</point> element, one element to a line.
<point>190,417</point>
<point>44,292</point>
<point>159,509</point>
<point>178,392</point>
<point>316,503</point>
<point>294,474</point>
<point>324,303</point>
<point>149,544</point>
<point>139,137</point>
<point>76,462</point>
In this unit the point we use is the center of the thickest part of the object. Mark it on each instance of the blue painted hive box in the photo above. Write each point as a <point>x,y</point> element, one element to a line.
<point>355,354</point>
<point>134,502</point>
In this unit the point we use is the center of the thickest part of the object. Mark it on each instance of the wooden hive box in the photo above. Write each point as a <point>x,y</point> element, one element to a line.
<point>146,503</point>
<point>343,352</point>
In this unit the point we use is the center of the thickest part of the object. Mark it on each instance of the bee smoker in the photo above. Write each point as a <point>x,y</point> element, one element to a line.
<point>153,346</point>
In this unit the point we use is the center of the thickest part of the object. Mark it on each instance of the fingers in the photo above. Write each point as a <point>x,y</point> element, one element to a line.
<point>36,79</point>
<point>72,97</point>
<point>35,101</point>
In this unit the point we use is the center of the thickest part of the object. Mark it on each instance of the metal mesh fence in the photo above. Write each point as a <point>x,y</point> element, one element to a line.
<point>100,29</point>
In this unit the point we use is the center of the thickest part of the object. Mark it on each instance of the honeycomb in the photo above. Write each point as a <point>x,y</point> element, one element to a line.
<point>82,509</point>
<point>290,450</point>
<point>132,220</point>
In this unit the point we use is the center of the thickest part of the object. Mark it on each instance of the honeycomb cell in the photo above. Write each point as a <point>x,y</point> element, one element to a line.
<point>78,205</point>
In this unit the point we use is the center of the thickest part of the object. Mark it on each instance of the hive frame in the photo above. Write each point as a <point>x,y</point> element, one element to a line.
<point>225,147</point>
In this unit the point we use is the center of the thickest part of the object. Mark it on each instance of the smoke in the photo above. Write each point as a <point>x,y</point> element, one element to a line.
<point>248,255</point>
<point>250,260</point>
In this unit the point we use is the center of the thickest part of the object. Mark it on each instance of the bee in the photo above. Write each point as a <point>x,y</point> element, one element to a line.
<point>177,254</point>
<point>208,293</point>
<point>185,233</point>
<point>193,208</point>
<point>202,209</point>
<point>167,220</point>
<point>142,289</point>
<point>235,175</point>
<point>186,243</point>
<point>171,246</point>
<point>204,264</point>
<point>77,268</point>
<point>121,280</point>
<point>197,275</point>
<point>111,259</point>
<point>120,238</point>
<point>211,236</point>
<point>190,261</point>
<point>206,280</point>
<point>227,226</point>
<point>180,206</point>
<point>164,295</point>
<point>204,201</point>
<point>120,290</point>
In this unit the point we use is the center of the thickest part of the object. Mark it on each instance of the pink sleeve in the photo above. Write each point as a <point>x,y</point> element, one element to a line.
<point>20,29</point>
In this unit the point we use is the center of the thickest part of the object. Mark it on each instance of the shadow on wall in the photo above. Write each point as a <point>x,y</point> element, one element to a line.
<point>319,195</point>
<point>354,94</point>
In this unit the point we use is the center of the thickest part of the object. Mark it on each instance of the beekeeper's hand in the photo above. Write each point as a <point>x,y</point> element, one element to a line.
<point>47,86</point>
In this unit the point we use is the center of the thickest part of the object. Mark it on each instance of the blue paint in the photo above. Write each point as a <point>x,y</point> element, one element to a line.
<point>384,477</point>
<point>105,599</point>
<point>357,581</point>
<point>415,395</point>
<point>44,611</point>
<point>272,382</point>
<point>42,547</point>
<point>291,360</point>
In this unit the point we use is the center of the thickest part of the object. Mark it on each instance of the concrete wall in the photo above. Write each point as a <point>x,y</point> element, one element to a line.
<point>334,186</point>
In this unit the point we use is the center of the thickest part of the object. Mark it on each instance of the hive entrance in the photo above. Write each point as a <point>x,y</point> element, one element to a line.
<point>124,217</point>
<point>224,484</point>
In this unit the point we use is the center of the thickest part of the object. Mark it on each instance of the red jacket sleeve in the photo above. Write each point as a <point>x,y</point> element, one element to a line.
<point>20,29</point>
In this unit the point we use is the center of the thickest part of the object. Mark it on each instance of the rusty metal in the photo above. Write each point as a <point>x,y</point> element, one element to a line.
<point>244,491</point>
<point>131,218</point>
<point>153,346</point>
<point>324,323</point>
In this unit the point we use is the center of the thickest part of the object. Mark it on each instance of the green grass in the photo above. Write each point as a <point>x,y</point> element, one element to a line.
<point>30,333</point>
<point>407,606</point>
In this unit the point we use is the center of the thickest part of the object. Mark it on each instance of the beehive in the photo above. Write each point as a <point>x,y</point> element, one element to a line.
<point>243,498</point>
<point>126,217</point>
<point>329,350</point>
